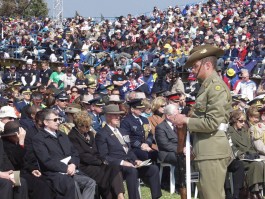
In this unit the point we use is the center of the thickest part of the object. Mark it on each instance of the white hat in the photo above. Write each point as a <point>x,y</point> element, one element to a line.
<point>77,57</point>
<point>201,32</point>
<point>7,111</point>
<point>215,21</point>
<point>230,21</point>
<point>87,98</point>
<point>115,98</point>
<point>29,61</point>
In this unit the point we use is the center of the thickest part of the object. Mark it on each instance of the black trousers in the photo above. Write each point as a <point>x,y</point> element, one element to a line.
<point>149,174</point>
<point>7,190</point>
<point>34,190</point>
<point>179,161</point>
<point>237,169</point>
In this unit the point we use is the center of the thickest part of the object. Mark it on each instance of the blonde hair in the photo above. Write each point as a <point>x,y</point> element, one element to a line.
<point>80,75</point>
<point>253,111</point>
<point>147,103</point>
<point>157,102</point>
<point>82,119</point>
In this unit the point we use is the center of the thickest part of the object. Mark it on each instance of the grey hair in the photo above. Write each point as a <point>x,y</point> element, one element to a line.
<point>171,109</point>
<point>48,112</point>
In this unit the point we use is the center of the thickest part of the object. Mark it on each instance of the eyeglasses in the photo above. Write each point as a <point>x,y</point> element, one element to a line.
<point>55,119</point>
<point>242,121</point>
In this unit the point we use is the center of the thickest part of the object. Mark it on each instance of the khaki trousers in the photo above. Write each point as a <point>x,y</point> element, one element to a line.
<point>212,178</point>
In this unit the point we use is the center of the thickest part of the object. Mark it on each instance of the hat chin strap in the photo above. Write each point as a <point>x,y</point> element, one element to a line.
<point>198,71</point>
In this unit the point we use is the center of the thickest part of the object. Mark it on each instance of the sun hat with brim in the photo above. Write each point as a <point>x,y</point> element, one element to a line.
<point>201,52</point>
<point>87,98</point>
<point>73,108</point>
<point>230,72</point>
<point>112,109</point>
<point>7,111</point>
<point>115,98</point>
<point>11,128</point>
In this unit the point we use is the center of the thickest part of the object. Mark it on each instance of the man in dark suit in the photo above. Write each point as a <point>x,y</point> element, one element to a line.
<point>139,130</point>
<point>114,147</point>
<point>59,160</point>
<point>168,144</point>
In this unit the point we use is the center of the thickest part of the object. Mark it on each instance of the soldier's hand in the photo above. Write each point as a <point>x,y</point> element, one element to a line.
<point>180,120</point>
<point>145,147</point>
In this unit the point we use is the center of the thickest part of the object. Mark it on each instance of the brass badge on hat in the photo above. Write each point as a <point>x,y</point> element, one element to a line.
<point>217,88</point>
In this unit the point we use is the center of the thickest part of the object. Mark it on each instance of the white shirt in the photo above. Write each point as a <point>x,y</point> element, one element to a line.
<point>170,124</point>
<point>50,132</point>
<point>247,89</point>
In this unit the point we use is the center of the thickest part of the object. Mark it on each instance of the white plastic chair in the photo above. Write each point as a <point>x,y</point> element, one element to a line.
<point>172,176</point>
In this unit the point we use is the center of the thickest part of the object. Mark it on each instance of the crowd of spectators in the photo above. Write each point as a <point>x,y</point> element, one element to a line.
<point>134,62</point>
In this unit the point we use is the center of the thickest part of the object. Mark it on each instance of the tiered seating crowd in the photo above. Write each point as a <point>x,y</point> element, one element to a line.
<point>57,105</point>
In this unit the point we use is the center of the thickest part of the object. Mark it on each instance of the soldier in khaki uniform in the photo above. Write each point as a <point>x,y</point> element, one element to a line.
<point>208,122</point>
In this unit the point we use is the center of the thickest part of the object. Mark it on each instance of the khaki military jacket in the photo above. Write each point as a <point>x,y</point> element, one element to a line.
<point>212,107</point>
<point>257,133</point>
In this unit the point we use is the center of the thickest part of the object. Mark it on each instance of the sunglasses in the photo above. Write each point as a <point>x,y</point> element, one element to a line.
<point>74,91</point>
<point>242,121</point>
<point>61,100</point>
<point>55,119</point>
<point>119,69</point>
<point>10,118</point>
<point>163,106</point>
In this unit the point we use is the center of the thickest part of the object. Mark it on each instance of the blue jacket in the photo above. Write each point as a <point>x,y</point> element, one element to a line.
<point>136,130</point>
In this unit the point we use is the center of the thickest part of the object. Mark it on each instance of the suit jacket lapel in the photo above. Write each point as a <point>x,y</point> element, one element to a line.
<point>169,129</point>
<point>111,134</point>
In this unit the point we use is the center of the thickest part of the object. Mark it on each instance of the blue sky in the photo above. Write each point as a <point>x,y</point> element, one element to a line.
<point>113,8</point>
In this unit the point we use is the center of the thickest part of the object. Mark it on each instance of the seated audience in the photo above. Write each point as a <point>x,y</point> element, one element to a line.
<point>114,148</point>
<point>59,161</point>
<point>107,177</point>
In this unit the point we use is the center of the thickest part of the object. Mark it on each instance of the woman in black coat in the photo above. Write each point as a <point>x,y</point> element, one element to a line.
<point>108,178</point>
